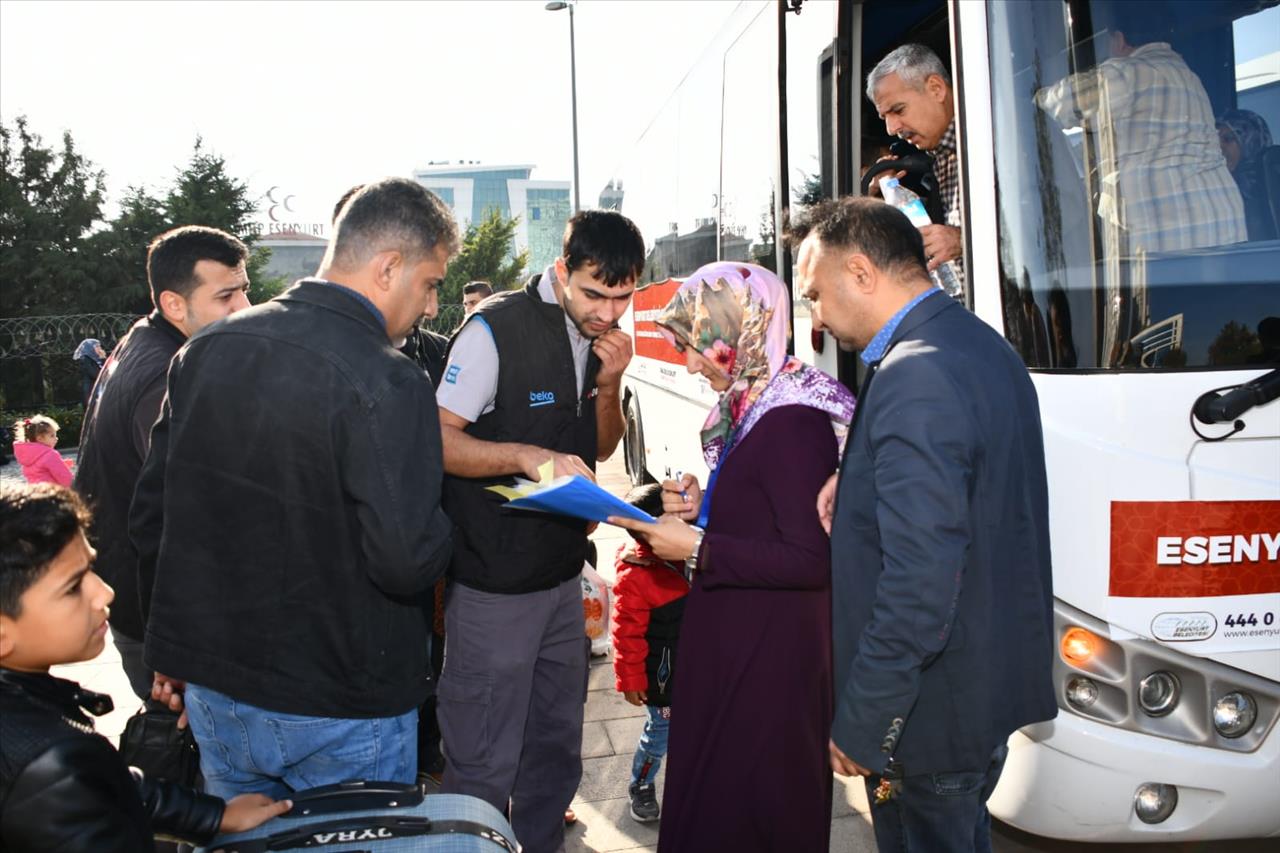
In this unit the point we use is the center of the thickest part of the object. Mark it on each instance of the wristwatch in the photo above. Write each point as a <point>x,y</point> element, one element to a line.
<point>691,562</point>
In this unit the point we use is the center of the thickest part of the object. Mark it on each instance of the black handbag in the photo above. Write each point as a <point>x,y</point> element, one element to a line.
<point>154,744</point>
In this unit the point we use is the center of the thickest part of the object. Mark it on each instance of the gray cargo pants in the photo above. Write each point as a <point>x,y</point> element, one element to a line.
<point>511,702</point>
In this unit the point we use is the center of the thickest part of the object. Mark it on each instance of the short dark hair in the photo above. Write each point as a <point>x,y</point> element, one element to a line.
<point>172,257</point>
<point>646,498</point>
<point>391,214</point>
<point>342,202</point>
<point>607,239</point>
<point>36,522</point>
<point>484,288</point>
<point>867,225</point>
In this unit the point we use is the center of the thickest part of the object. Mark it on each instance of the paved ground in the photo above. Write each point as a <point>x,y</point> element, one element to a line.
<point>608,741</point>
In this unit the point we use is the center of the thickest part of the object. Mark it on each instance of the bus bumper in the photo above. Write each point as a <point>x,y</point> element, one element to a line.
<point>1073,778</point>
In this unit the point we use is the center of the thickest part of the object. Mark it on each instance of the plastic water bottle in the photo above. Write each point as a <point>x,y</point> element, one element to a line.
<point>945,275</point>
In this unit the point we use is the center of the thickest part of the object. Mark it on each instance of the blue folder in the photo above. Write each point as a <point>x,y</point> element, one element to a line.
<point>579,497</point>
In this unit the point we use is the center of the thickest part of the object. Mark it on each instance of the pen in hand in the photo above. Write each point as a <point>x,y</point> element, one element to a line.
<point>683,492</point>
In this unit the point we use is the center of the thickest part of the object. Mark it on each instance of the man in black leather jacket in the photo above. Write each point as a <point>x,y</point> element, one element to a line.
<point>62,787</point>
<point>287,519</point>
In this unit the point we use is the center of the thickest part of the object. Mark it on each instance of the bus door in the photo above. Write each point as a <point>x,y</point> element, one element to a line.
<point>832,132</point>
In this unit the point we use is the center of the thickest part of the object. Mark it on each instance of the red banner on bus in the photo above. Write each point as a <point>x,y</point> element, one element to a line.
<point>1194,549</point>
<point>647,305</point>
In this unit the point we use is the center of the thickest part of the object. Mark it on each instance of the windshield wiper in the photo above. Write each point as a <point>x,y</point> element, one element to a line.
<point>1215,408</point>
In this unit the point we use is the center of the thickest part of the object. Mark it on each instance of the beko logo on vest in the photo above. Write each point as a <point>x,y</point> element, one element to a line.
<point>541,398</point>
<point>1217,550</point>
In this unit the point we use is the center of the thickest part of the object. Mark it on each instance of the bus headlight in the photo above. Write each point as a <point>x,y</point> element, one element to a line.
<point>1158,693</point>
<point>1234,714</point>
<point>1154,802</point>
<point>1082,692</point>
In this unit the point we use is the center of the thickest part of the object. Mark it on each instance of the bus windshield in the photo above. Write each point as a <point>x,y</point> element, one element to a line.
<point>1138,182</point>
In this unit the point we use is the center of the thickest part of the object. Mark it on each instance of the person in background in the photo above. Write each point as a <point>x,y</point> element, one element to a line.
<point>1243,136</point>
<point>89,357</point>
<point>941,581</point>
<point>534,377</point>
<point>1164,185</point>
<point>748,770</point>
<point>33,446</point>
<point>428,349</point>
<point>473,293</point>
<point>648,601</point>
<point>197,277</point>
<point>303,634</point>
<point>63,788</point>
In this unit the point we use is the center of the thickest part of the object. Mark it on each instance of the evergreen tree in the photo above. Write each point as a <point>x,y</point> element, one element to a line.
<point>485,254</point>
<point>202,193</point>
<point>50,202</point>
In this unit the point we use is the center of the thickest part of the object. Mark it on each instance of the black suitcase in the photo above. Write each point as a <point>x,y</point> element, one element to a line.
<point>379,817</point>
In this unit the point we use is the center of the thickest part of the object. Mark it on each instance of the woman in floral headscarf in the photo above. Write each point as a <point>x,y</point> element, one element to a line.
<point>748,767</point>
<point>1244,135</point>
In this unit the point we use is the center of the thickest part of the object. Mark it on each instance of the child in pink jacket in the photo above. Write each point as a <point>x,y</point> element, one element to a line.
<point>34,440</point>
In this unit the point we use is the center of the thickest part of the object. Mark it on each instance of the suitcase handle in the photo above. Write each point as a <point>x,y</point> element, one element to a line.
<point>355,796</point>
<point>369,829</point>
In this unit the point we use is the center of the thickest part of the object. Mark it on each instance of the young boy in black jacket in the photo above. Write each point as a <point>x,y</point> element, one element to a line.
<point>62,787</point>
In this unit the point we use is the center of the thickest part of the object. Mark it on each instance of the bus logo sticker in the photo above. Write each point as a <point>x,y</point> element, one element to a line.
<point>1184,627</point>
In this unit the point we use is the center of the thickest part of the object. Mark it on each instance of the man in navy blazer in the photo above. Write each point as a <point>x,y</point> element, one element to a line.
<point>941,583</point>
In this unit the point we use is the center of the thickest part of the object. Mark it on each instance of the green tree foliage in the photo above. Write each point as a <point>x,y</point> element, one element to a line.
<point>50,202</point>
<point>202,193</point>
<point>1235,344</point>
<point>485,254</point>
<point>810,190</point>
<point>58,257</point>
<point>122,248</point>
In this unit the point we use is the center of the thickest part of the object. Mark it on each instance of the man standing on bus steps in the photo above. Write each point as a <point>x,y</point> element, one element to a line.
<point>534,375</point>
<point>911,90</point>
<point>196,276</point>
<point>941,583</point>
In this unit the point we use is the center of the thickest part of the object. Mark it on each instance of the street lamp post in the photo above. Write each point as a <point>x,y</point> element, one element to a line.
<point>556,6</point>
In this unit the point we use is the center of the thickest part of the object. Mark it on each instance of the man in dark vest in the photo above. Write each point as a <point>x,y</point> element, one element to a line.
<point>197,276</point>
<point>533,376</point>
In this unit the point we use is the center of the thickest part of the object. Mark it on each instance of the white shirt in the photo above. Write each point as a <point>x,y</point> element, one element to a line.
<point>470,384</point>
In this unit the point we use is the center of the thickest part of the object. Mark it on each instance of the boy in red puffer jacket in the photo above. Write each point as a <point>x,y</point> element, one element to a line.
<point>648,602</point>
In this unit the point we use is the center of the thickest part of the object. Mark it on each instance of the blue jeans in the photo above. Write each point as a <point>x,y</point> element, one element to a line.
<point>245,749</point>
<point>938,812</point>
<point>652,746</point>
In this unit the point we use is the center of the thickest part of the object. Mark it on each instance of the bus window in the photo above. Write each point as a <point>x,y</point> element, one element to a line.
<point>810,144</point>
<point>1123,239</point>
<point>669,183</point>
<point>748,143</point>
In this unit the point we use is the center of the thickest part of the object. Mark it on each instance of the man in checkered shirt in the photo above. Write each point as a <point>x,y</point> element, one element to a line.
<point>1164,184</point>
<point>911,89</point>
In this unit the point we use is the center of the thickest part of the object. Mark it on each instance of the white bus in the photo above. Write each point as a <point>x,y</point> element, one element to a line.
<point>1165,527</point>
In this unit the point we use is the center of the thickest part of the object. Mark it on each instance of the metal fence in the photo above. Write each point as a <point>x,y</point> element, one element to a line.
<point>36,368</point>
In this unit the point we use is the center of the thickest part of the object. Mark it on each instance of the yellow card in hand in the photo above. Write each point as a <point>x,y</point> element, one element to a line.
<point>522,488</point>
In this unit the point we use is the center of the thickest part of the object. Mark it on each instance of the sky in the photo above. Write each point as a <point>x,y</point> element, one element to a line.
<point>312,97</point>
